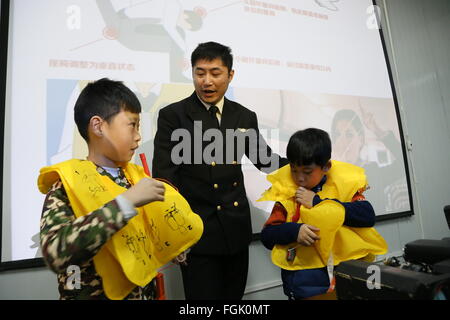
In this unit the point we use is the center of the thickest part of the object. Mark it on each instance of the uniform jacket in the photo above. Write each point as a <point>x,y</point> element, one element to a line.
<point>213,187</point>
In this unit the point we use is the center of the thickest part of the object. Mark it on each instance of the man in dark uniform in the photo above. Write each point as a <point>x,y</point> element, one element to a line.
<point>217,133</point>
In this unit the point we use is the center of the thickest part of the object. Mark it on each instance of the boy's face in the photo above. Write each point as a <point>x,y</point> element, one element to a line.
<point>211,80</point>
<point>121,137</point>
<point>308,176</point>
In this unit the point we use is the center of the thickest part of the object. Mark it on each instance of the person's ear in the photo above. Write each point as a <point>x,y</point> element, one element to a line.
<point>231,75</point>
<point>327,167</point>
<point>95,124</point>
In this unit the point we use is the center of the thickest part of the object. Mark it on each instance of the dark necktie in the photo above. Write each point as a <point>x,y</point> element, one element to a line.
<point>213,112</point>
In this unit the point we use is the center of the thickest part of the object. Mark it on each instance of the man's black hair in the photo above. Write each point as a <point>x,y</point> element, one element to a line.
<point>309,146</point>
<point>104,98</point>
<point>211,50</point>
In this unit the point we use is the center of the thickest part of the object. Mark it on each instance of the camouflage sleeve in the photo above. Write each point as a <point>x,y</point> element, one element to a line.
<point>67,240</point>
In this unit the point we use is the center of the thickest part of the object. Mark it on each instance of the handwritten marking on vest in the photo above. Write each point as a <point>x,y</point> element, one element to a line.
<point>175,220</point>
<point>138,245</point>
<point>93,183</point>
<point>154,235</point>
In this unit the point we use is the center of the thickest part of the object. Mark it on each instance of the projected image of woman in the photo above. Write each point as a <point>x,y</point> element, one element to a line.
<point>388,190</point>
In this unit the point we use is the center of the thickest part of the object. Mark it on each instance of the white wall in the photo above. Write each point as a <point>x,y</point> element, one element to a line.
<point>418,41</point>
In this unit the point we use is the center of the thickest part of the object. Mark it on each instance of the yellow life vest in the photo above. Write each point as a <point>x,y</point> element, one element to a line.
<point>342,242</point>
<point>157,234</point>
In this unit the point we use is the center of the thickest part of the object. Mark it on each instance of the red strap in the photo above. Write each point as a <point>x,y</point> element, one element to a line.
<point>297,213</point>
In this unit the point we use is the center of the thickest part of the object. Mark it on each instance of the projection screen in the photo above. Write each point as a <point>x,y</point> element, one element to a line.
<point>298,64</point>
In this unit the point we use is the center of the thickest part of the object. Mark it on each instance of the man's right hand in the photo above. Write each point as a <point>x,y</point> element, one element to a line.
<point>145,191</point>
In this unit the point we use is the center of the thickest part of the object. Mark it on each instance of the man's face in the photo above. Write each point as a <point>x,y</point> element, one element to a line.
<point>211,80</point>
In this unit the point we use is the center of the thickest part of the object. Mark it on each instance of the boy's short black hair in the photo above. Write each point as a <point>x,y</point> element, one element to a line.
<point>104,98</point>
<point>309,146</point>
<point>210,51</point>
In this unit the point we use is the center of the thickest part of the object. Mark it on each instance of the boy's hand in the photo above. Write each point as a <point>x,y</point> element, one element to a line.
<point>306,235</point>
<point>304,197</point>
<point>145,191</point>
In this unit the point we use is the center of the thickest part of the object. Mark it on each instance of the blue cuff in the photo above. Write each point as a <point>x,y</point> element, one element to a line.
<point>316,200</point>
<point>284,233</point>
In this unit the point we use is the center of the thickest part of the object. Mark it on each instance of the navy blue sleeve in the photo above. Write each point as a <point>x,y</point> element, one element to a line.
<point>284,233</point>
<point>359,214</point>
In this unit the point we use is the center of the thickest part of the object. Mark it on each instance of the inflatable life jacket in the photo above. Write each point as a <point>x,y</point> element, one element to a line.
<point>336,240</point>
<point>156,235</point>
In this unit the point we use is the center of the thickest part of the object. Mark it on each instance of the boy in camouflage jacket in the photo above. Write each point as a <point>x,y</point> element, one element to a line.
<point>107,117</point>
